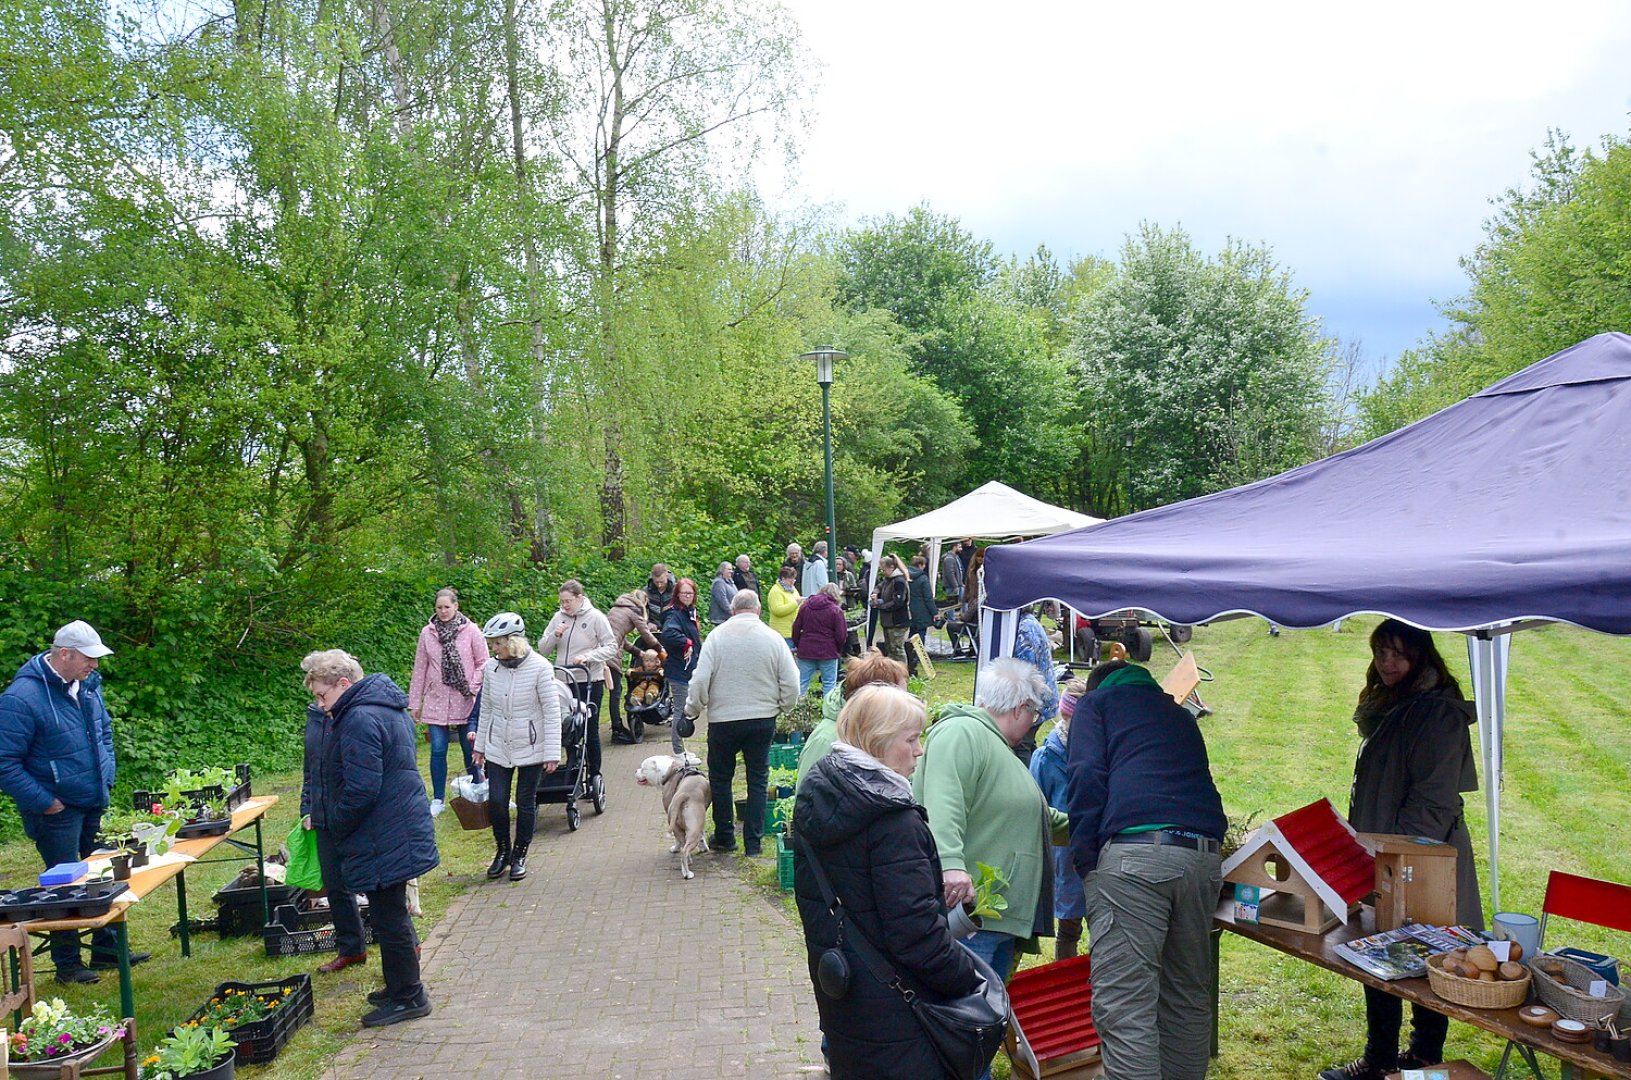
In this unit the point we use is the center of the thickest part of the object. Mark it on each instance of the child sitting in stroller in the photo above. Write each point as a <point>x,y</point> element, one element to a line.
<point>646,680</point>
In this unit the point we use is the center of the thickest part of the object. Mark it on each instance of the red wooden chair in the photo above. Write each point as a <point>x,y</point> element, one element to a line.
<point>1583,899</point>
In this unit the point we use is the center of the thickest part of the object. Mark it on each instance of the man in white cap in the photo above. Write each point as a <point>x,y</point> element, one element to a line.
<point>56,761</point>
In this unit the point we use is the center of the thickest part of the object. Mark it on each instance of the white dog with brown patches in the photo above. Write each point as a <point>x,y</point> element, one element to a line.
<point>686,797</point>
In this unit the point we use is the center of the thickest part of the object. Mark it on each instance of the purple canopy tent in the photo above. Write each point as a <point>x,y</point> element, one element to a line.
<point>1509,508</point>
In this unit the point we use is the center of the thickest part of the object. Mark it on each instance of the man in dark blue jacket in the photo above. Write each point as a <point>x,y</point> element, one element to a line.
<point>1146,824</point>
<point>56,761</point>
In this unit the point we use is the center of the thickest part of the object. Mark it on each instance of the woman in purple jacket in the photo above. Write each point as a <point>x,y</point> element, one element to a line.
<point>819,636</point>
<point>446,678</point>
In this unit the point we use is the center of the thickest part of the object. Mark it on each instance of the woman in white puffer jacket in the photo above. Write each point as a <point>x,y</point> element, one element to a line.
<point>518,737</point>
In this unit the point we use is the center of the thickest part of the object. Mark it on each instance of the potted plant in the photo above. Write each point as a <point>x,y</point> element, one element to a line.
<point>52,1035</point>
<point>988,902</point>
<point>196,1051</point>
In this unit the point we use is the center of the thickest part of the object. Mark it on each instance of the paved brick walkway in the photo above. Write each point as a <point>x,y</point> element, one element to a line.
<point>605,964</point>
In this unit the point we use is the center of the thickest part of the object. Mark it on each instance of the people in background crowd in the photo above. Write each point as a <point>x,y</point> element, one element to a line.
<point>659,593</point>
<point>1415,762</point>
<point>580,637</point>
<point>745,578</point>
<point>856,814</point>
<point>951,572</point>
<point>814,574</point>
<point>1048,770</point>
<point>720,594</point>
<point>627,616</point>
<point>744,679</point>
<point>872,667</point>
<point>682,637</point>
<point>1031,645</point>
<point>795,559</point>
<point>893,603</point>
<point>819,635</point>
<point>920,605</point>
<point>447,665</point>
<point>783,601</point>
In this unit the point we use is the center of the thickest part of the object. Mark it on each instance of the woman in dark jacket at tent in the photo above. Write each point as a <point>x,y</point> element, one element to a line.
<point>855,810</point>
<point>363,790</point>
<point>1415,761</point>
<point>893,604</point>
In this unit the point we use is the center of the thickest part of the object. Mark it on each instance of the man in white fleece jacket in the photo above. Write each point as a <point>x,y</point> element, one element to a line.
<point>745,677</point>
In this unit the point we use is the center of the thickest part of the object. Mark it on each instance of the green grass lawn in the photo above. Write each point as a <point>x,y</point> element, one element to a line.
<point>1279,736</point>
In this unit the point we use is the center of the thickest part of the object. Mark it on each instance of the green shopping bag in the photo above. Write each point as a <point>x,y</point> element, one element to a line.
<point>304,872</point>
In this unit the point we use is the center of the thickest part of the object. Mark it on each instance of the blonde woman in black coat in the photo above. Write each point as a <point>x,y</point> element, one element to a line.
<point>855,809</point>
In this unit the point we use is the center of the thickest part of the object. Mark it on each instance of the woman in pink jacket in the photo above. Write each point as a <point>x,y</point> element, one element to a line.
<point>446,678</point>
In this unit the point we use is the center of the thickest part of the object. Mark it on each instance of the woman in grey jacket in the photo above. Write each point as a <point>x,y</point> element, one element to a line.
<point>519,737</point>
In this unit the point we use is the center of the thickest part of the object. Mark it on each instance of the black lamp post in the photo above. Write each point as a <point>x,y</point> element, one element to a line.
<point>1127,452</point>
<point>824,355</point>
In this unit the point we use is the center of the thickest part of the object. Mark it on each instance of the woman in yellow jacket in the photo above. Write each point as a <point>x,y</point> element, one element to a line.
<point>782,601</point>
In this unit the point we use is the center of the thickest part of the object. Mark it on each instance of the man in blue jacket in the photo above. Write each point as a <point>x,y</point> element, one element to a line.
<point>1145,827</point>
<point>56,761</point>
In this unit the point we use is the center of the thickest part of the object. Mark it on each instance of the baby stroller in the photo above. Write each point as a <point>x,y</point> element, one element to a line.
<point>645,708</point>
<point>571,781</point>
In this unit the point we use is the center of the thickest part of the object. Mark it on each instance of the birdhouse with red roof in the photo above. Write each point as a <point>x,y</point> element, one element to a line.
<point>1311,867</point>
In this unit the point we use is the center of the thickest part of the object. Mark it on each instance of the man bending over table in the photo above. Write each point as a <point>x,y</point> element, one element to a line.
<point>1146,823</point>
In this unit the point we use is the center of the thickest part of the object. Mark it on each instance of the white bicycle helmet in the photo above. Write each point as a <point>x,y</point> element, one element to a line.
<point>503,624</point>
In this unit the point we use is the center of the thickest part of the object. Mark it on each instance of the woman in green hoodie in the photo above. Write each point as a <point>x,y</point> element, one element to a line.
<point>984,807</point>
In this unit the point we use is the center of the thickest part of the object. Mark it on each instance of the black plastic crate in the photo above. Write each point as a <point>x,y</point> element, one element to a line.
<point>293,932</point>
<point>238,911</point>
<point>261,1041</point>
<point>235,796</point>
<point>85,901</point>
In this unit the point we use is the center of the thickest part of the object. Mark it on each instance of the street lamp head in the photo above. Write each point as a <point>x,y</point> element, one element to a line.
<point>824,355</point>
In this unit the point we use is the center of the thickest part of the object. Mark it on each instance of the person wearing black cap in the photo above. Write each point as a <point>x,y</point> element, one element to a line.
<point>56,761</point>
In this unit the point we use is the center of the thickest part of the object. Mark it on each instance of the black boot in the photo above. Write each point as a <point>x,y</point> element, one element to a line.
<point>518,862</point>
<point>500,861</point>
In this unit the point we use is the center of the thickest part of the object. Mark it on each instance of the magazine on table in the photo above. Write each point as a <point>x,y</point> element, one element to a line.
<point>1403,953</point>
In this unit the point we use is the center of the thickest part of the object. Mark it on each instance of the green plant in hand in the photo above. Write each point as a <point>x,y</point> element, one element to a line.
<point>989,882</point>
<point>189,1049</point>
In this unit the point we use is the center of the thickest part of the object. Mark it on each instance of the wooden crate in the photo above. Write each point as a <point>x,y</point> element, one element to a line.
<point>1459,1070</point>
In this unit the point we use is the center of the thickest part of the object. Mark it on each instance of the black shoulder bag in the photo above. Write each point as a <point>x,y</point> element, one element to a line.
<point>966,1032</point>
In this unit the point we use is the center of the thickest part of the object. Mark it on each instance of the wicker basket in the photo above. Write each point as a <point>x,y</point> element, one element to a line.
<point>1476,993</point>
<point>1572,1000</point>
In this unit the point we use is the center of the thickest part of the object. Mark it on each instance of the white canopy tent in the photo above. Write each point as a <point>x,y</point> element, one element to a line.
<point>992,511</point>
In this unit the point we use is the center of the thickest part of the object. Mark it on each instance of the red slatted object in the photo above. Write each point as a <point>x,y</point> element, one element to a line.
<point>1330,850</point>
<point>1054,1007</point>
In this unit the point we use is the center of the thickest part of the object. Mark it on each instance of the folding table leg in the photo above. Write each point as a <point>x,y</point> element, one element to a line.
<point>260,864</point>
<point>127,992</point>
<point>181,910</point>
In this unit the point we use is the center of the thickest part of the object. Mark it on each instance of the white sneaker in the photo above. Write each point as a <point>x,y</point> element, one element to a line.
<point>436,807</point>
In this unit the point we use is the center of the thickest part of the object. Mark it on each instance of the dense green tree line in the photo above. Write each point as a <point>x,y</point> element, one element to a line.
<point>299,298</point>
<point>1552,270</point>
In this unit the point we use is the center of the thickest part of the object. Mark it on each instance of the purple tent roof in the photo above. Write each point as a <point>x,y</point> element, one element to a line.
<point>1513,504</point>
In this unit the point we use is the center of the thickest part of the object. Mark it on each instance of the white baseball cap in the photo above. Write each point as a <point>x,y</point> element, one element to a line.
<point>79,636</point>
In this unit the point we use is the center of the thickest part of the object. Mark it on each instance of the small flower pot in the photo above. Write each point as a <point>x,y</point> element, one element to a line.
<point>121,867</point>
<point>138,858</point>
<point>963,922</point>
<point>226,1070</point>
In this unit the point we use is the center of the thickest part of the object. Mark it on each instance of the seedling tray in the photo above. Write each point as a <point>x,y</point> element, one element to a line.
<point>194,829</point>
<point>235,796</point>
<point>293,932</point>
<point>260,1042</point>
<point>87,901</point>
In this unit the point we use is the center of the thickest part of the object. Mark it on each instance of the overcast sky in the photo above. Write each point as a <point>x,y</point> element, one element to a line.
<point>1360,143</point>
